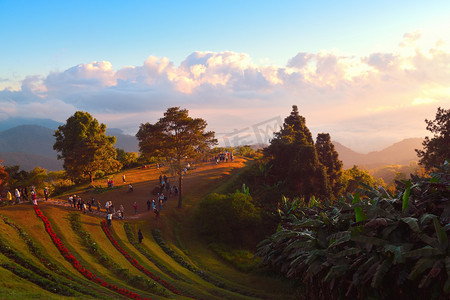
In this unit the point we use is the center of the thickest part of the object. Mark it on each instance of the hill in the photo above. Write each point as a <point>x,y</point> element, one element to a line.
<point>401,153</point>
<point>32,145</point>
<point>57,251</point>
<point>28,161</point>
<point>14,122</point>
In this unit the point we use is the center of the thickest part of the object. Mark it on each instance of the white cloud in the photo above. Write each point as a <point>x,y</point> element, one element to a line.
<point>344,95</point>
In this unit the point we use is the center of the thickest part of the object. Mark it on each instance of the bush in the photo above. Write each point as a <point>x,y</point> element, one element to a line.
<point>373,246</point>
<point>227,218</point>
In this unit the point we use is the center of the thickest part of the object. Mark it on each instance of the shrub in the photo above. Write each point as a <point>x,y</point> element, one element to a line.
<point>227,218</point>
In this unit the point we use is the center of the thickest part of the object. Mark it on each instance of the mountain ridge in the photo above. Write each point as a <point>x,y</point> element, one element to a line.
<point>15,149</point>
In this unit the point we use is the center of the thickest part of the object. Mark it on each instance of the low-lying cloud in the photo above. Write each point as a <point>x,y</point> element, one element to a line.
<point>364,102</point>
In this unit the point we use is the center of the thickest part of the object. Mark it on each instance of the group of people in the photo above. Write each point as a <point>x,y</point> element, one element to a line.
<point>20,194</point>
<point>224,157</point>
<point>84,206</point>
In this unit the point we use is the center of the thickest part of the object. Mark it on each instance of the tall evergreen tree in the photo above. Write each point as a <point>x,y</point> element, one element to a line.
<point>294,159</point>
<point>437,149</point>
<point>329,157</point>
<point>85,147</point>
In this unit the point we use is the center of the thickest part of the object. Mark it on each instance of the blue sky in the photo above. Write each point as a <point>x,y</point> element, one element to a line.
<point>44,42</point>
<point>44,36</point>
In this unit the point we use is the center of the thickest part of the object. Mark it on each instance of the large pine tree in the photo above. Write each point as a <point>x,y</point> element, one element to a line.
<point>329,157</point>
<point>175,137</point>
<point>294,159</point>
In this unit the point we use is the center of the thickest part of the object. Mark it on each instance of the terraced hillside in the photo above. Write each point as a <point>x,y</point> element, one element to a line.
<point>53,251</point>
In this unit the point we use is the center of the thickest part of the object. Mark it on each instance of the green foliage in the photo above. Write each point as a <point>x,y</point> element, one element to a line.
<point>246,151</point>
<point>369,246</point>
<point>226,218</point>
<point>354,177</point>
<point>294,160</point>
<point>329,157</point>
<point>184,263</point>
<point>173,138</point>
<point>85,148</point>
<point>436,149</point>
<point>127,159</point>
<point>241,259</point>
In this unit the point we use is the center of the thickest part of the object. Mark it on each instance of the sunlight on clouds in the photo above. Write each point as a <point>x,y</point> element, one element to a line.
<point>422,101</point>
<point>329,87</point>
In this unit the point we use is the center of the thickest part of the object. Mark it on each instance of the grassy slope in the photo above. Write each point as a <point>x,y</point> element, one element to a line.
<point>196,184</point>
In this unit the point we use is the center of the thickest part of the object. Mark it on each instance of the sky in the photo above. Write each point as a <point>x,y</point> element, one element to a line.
<point>367,72</point>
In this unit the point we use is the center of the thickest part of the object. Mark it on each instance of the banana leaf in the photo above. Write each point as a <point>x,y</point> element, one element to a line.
<point>441,234</point>
<point>381,272</point>
<point>426,251</point>
<point>405,198</point>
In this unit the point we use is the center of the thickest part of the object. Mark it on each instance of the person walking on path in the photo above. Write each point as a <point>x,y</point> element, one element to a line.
<point>140,236</point>
<point>123,178</point>
<point>46,193</point>
<point>9,197</point>
<point>109,218</point>
<point>17,194</point>
<point>135,208</point>
<point>33,198</point>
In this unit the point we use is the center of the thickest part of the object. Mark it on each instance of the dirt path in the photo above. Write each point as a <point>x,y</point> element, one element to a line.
<point>145,180</point>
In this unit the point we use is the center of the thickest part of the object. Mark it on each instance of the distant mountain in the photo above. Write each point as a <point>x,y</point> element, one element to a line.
<point>32,139</point>
<point>28,161</point>
<point>401,153</point>
<point>126,142</point>
<point>14,122</point>
<point>32,145</point>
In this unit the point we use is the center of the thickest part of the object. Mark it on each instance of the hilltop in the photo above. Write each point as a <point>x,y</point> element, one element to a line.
<point>178,263</point>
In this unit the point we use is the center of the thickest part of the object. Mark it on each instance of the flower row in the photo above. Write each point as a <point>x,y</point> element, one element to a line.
<point>76,264</point>
<point>136,264</point>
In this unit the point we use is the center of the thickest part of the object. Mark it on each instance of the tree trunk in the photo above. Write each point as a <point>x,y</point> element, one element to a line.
<point>180,180</point>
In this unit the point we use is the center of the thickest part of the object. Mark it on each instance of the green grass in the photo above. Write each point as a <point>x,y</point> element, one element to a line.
<point>216,273</point>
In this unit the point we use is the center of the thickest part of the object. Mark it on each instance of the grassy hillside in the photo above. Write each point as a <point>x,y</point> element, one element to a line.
<point>172,261</point>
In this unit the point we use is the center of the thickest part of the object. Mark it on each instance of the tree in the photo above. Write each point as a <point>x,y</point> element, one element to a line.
<point>436,150</point>
<point>85,147</point>
<point>329,157</point>
<point>294,159</point>
<point>352,179</point>
<point>3,177</point>
<point>175,137</point>
<point>127,159</point>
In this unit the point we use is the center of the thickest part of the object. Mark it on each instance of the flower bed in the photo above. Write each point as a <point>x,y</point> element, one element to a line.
<point>76,264</point>
<point>133,241</point>
<point>136,264</point>
<point>66,279</point>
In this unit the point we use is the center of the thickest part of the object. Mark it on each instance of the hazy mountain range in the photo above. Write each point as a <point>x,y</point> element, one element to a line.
<point>401,153</point>
<point>31,145</point>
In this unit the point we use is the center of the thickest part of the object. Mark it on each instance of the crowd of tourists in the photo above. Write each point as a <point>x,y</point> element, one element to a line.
<point>21,194</point>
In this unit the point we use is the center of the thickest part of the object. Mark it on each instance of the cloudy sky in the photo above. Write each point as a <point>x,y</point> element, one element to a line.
<point>367,73</point>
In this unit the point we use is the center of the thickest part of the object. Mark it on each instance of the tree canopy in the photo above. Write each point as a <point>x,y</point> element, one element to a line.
<point>174,137</point>
<point>436,149</point>
<point>329,157</point>
<point>294,160</point>
<point>3,176</point>
<point>85,147</point>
